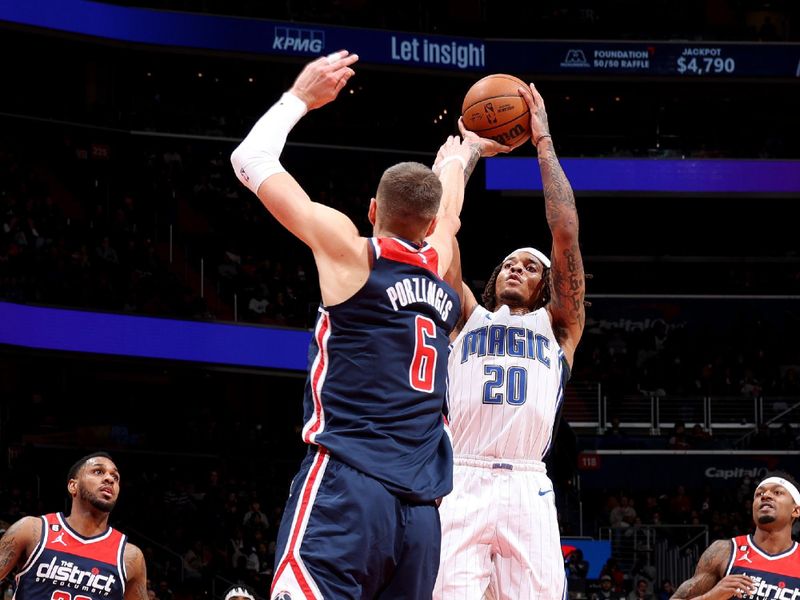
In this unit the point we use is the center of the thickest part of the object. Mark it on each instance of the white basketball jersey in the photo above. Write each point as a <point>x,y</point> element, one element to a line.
<point>506,384</point>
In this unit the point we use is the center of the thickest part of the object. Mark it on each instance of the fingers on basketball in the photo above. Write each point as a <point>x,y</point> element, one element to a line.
<point>492,108</point>
<point>537,97</point>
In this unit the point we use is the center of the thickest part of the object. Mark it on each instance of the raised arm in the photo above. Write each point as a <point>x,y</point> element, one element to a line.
<point>709,581</point>
<point>136,584</point>
<point>567,279</point>
<point>331,235</point>
<point>17,543</point>
<point>479,147</point>
<point>454,161</point>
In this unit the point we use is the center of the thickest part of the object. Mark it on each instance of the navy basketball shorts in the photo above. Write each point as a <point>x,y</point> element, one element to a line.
<point>343,536</point>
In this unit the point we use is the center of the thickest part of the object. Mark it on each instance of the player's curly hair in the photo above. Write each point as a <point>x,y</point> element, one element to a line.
<point>489,297</point>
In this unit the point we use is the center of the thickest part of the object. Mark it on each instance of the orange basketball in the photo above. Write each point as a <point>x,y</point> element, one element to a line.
<point>494,109</point>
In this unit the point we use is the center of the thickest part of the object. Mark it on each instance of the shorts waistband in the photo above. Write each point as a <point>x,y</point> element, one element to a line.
<point>509,464</point>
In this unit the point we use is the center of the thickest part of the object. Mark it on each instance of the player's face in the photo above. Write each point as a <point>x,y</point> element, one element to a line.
<point>772,503</point>
<point>98,483</point>
<point>520,280</point>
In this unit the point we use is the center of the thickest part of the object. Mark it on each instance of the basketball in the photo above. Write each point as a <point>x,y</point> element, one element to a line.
<point>494,109</point>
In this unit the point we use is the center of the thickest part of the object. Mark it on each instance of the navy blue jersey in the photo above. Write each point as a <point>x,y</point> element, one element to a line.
<point>776,576</point>
<point>377,374</point>
<point>67,566</point>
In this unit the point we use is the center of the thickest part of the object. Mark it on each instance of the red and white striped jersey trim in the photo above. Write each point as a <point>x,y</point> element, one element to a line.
<point>292,576</point>
<point>319,370</point>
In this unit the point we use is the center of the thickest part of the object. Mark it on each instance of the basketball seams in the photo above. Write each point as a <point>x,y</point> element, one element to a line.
<point>482,115</point>
<point>517,97</point>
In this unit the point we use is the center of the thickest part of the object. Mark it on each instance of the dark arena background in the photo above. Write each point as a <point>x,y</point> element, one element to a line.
<point>151,307</point>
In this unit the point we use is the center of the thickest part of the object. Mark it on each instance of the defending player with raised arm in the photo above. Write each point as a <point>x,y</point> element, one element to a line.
<point>507,370</point>
<point>85,548</point>
<point>362,518</point>
<point>762,566</point>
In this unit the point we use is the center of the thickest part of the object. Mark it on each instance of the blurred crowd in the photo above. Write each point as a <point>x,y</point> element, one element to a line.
<point>145,226</point>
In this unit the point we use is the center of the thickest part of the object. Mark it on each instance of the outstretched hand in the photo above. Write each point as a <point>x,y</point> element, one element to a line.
<point>539,126</point>
<point>455,150</point>
<point>321,80</point>
<point>485,146</point>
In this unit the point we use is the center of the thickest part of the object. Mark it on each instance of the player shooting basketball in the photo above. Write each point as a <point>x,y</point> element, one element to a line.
<point>507,371</point>
<point>362,519</point>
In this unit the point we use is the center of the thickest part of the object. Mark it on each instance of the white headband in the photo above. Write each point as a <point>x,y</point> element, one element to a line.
<point>535,252</point>
<point>793,492</point>
<point>239,592</point>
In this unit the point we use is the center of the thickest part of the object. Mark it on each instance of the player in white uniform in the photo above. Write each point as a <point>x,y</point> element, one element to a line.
<point>507,370</point>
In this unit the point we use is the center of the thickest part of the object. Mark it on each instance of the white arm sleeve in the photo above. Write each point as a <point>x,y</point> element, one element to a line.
<point>256,158</point>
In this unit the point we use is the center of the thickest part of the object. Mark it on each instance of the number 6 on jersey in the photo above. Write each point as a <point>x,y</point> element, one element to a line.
<point>420,374</point>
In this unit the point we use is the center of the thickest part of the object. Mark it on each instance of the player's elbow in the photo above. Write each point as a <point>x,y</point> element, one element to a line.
<point>448,224</point>
<point>237,159</point>
<point>564,230</point>
<point>252,166</point>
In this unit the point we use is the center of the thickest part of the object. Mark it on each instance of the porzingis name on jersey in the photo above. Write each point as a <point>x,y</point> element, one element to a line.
<point>65,573</point>
<point>768,591</point>
<point>501,340</point>
<point>419,289</point>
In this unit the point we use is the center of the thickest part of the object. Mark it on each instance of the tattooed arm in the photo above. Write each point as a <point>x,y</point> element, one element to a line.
<point>709,581</point>
<point>136,584</point>
<point>567,280</point>
<point>17,543</point>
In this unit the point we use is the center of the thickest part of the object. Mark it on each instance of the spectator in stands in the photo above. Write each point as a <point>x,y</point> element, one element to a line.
<point>193,562</point>
<point>106,253</point>
<point>606,591</point>
<point>750,386</point>
<point>678,439</point>
<point>699,438</point>
<point>650,509</point>
<point>254,518</point>
<point>611,568</point>
<point>640,591</point>
<point>666,591</point>
<point>706,504</point>
<point>614,436</point>
<point>643,571</point>
<point>624,514</point>
<point>577,569</point>
<point>680,506</point>
<point>745,490</point>
<point>236,547</point>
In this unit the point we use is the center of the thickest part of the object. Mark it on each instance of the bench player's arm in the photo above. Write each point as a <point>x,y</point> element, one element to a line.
<point>136,571</point>
<point>340,253</point>
<point>18,542</point>
<point>709,581</point>
<point>567,278</point>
